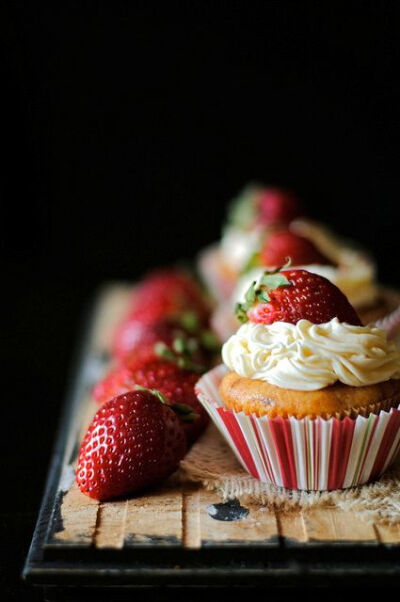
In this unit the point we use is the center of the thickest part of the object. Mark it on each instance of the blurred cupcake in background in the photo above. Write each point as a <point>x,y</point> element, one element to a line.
<point>252,216</point>
<point>265,226</point>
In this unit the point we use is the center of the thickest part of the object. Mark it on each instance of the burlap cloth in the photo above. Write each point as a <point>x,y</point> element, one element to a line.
<point>211,462</point>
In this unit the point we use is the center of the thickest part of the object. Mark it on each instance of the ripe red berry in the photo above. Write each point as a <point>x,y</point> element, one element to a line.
<point>293,295</point>
<point>166,294</point>
<point>175,384</point>
<point>133,335</point>
<point>277,207</point>
<point>133,441</point>
<point>283,244</point>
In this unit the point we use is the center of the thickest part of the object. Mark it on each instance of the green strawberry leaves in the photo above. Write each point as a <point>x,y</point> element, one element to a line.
<point>185,412</point>
<point>273,281</point>
<point>189,339</point>
<point>181,353</point>
<point>269,281</point>
<point>190,321</point>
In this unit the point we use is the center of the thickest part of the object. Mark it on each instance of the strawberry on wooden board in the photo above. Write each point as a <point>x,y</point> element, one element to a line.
<point>185,337</point>
<point>116,382</point>
<point>134,441</point>
<point>166,294</point>
<point>283,244</point>
<point>293,295</point>
<point>175,383</point>
<point>132,335</point>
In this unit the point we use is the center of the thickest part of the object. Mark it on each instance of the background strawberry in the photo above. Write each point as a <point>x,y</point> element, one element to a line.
<point>133,335</point>
<point>257,205</point>
<point>292,295</point>
<point>193,348</point>
<point>133,441</point>
<point>277,206</point>
<point>166,294</point>
<point>175,384</point>
<point>283,244</point>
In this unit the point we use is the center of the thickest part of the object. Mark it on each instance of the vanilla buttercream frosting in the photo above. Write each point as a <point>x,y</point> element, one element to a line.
<point>238,245</point>
<point>307,356</point>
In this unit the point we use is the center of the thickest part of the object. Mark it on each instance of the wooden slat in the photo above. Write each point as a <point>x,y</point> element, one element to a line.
<point>79,518</point>
<point>90,407</point>
<point>111,525</point>
<point>113,306</point>
<point>191,533</point>
<point>331,525</point>
<point>259,526</point>
<point>291,527</point>
<point>156,517</point>
<point>388,534</point>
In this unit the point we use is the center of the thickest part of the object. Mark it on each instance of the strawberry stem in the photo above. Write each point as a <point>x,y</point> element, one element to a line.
<point>185,412</point>
<point>181,353</point>
<point>269,281</point>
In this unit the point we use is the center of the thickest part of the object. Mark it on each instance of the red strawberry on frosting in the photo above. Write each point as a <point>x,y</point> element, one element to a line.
<point>284,243</point>
<point>277,206</point>
<point>293,295</point>
<point>134,441</point>
<point>267,206</point>
<point>176,384</point>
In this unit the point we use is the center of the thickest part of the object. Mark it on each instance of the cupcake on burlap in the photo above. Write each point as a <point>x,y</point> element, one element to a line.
<point>307,389</point>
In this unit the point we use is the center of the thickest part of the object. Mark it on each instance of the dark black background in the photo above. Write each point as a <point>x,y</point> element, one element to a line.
<point>126,128</point>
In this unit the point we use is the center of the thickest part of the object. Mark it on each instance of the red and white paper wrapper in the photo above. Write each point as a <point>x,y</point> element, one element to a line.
<point>307,454</point>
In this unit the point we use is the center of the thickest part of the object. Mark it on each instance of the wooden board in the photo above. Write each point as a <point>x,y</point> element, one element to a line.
<point>179,533</point>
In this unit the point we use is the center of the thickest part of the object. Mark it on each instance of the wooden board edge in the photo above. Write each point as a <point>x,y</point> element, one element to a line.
<point>84,335</point>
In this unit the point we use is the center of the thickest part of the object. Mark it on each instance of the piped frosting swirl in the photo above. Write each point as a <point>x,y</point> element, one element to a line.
<point>307,356</point>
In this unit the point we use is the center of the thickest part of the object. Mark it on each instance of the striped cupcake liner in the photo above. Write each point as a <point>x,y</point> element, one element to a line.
<point>308,454</point>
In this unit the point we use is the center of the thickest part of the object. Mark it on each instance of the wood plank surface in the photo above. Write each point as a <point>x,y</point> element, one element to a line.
<point>178,513</point>
<point>333,525</point>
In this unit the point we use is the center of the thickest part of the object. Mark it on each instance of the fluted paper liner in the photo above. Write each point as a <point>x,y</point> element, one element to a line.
<point>307,454</point>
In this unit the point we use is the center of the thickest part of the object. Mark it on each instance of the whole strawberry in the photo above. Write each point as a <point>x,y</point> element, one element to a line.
<point>166,294</point>
<point>175,383</point>
<point>277,206</point>
<point>267,206</point>
<point>283,244</point>
<point>293,295</point>
<point>134,335</point>
<point>133,441</point>
<point>189,344</point>
<point>116,382</point>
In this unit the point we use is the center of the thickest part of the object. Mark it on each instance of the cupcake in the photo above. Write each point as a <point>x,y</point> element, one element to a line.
<point>255,213</point>
<point>308,397</point>
<point>266,225</point>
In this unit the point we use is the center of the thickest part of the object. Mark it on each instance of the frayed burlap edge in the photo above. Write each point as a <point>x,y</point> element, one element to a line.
<point>211,462</point>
